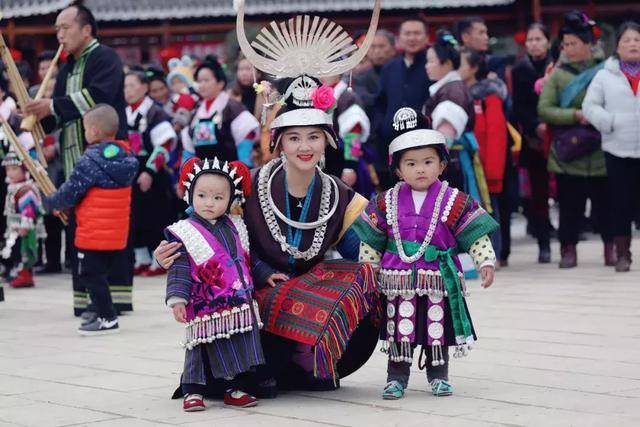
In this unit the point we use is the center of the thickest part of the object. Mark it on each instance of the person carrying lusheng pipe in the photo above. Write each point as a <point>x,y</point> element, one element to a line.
<point>93,74</point>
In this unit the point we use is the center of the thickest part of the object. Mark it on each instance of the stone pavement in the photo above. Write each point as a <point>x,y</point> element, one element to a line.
<point>556,348</point>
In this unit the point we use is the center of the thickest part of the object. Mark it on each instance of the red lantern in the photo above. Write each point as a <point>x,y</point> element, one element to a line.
<point>520,38</point>
<point>169,52</point>
<point>15,54</point>
<point>597,32</point>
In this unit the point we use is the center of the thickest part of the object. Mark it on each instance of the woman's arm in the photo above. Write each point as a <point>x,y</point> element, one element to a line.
<point>548,108</point>
<point>593,105</point>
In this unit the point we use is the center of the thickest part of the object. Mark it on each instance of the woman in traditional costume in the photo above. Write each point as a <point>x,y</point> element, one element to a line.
<point>319,325</point>
<point>450,108</point>
<point>353,160</point>
<point>152,138</point>
<point>221,126</point>
<point>415,231</point>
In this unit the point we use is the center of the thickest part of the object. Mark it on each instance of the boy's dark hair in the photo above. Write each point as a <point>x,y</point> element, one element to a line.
<point>464,25</point>
<point>476,59</point>
<point>396,158</point>
<point>211,63</point>
<point>446,48</point>
<point>105,118</point>
<point>46,55</point>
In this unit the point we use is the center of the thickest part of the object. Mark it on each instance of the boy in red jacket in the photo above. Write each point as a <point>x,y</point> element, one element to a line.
<point>100,190</point>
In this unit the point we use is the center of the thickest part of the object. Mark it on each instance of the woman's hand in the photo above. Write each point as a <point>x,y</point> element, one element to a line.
<point>180,313</point>
<point>581,118</point>
<point>447,130</point>
<point>145,180</point>
<point>487,273</point>
<point>276,277</point>
<point>166,254</point>
<point>541,131</point>
<point>349,177</point>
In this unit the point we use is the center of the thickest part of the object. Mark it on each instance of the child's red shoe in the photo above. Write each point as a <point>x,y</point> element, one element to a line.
<point>193,403</point>
<point>141,269</point>
<point>239,399</point>
<point>152,272</point>
<point>24,279</point>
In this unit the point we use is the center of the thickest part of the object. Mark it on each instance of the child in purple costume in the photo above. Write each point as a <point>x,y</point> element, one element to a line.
<point>414,231</point>
<point>209,287</point>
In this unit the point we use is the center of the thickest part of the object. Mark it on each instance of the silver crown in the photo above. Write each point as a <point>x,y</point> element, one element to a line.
<point>405,119</point>
<point>214,166</point>
<point>304,45</point>
<point>300,91</point>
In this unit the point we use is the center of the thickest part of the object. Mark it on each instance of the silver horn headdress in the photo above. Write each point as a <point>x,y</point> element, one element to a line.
<point>304,45</point>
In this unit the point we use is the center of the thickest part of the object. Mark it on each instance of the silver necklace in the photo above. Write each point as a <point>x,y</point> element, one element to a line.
<point>269,211</point>
<point>391,199</point>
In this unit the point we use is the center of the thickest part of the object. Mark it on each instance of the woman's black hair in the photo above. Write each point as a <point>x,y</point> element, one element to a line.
<point>541,27</point>
<point>140,75</point>
<point>397,156</point>
<point>154,73</point>
<point>627,26</point>
<point>211,63</point>
<point>446,48</point>
<point>476,59</point>
<point>578,24</point>
<point>4,84</point>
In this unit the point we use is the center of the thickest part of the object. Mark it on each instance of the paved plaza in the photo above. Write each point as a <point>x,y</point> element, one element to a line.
<point>556,348</point>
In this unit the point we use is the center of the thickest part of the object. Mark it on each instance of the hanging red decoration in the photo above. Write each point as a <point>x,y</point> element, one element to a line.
<point>169,52</point>
<point>520,37</point>
<point>15,54</point>
<point>597,32</point>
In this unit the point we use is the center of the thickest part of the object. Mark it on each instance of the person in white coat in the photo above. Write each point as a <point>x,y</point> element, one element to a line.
<point>612,105</point>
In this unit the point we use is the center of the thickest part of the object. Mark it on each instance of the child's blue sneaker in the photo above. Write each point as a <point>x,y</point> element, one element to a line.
<point>441,388</point>
<point>393,391</point>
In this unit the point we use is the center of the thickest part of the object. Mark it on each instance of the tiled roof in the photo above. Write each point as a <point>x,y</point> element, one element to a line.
<point>121,10</point>
<point>22,8</point>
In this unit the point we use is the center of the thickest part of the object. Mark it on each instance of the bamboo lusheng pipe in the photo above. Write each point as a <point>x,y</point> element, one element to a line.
<point>37,172</point>
<point>23,97</point>
<point>29,122</point>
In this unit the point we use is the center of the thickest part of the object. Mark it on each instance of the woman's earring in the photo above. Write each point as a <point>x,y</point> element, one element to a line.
<point>283,159</point>
<point>322,162</point>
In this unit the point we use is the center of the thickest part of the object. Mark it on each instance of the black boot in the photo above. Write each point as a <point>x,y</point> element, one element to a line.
<point>623,250</point>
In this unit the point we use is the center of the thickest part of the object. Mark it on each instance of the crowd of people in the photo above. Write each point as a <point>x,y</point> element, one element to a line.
<point>143,153</point>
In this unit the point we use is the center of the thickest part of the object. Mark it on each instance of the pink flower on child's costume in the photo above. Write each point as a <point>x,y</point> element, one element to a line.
<point>237,285</point>
<point>538,85</point>
<point>323,98</point>
<point>210,273</point>
<point>355,150</point>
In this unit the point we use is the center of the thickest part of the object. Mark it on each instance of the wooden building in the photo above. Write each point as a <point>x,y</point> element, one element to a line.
<point>146,30</point>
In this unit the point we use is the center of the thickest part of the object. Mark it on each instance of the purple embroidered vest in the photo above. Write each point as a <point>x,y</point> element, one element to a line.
<point>221,302</point>
<point>403,282</point>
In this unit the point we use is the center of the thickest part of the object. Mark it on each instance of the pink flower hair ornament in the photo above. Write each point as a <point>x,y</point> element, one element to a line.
<point>324,99</point>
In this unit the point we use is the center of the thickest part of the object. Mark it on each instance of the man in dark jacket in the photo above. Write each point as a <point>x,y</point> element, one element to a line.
<point>100,190</point>
<point>403,83</point>
<point>92,74</point>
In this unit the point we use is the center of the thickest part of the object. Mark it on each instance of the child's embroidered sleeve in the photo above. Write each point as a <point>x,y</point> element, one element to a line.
<point>371,228</point>
<point>163,136</point>
<point>28,207</point>
<point>482,253</point>
<point>178,277</point>
<point>467,220</point>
